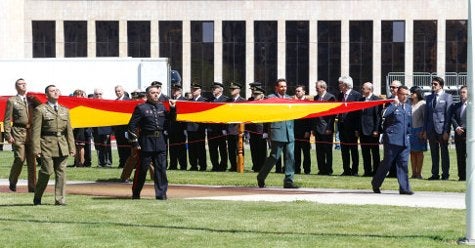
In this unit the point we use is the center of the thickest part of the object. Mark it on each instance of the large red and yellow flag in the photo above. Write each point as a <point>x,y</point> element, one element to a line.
<point>97,112</point>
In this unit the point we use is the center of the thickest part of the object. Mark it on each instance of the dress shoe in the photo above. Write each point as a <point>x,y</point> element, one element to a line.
<point>376,190</point>
<point>194,169</point>
<point>12,187</point>
<point>36,201</point>
<point>346,174</point>
<point>406,192</point>
<point>60,203</point>
<point>462,179</point>
<point>433,177</point>
<point>445,178</point>
<point>290,186</point>
<point>162,198</point>
<point>135,197</point>
<point>261,183</point>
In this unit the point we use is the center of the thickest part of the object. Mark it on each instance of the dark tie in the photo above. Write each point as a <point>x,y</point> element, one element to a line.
<point>56,108</point>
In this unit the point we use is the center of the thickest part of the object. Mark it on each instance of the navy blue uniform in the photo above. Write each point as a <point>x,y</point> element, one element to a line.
<point>396,131</point>
<point>148,124</point>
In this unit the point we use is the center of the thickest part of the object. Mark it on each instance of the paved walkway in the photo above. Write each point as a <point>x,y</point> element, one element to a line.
<point>271,194</point>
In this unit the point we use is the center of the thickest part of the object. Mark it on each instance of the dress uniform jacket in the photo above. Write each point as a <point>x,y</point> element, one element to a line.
<point>459,119</point>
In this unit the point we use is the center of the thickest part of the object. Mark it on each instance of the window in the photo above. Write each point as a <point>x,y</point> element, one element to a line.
<point>392,49</point>
<point>75,39</point>
<point>265,53</point>
<point>138,39</point>
<point>44,39</point>
<point>425,46</point>
<point>329,53</point>
<point>171,43</point>
<point>234,52</point>
<point>297,51</point>
<point>107,38</point>
<point>361,52</point>
<point>456,46</point>
<point>202,53</point>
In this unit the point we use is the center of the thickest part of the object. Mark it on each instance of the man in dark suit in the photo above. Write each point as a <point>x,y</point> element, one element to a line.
<point>282,139</point>
<point>217,135</point>
<point>459,123</point>
<point>302,137</point>
<point>347,125</point>
<point>368,131</point>
<point>396,130</point>
<point>323,129</point>
<point>176,135</point>
<point>102,139</point>
<point>196,136</point>
<point>437,127</point>
<point>257,136</point>
<point>150,118</point>
<point>233,129</point>
<point>123,147</point>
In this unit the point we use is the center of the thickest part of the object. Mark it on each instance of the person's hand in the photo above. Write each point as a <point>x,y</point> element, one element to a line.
<point>375,134</point>
<point>165,132</point>
<point>11,140</point>
<point>306,135</point>
<point>224,132</point>
<point>459,130</point>
<point>72,153</point>
<point>445,136</point>
<point>38,155</point>
<point>265,135</point>
<point>172,103</point>
<point>423,135</point>
<point>328,132</point>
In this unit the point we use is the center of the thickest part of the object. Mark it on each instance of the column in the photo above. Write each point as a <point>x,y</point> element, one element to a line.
<point>218,51</point>
<point>123,38</point>
<point>378,79</point>
<point>59,39</point>
<point>441,47</point>
<point>313,56</point>
<point>345,47</point>
<point>249,55</point>
<point>91,38</point>
<point>281,49</point>
<point>186,77</point>
<point>408,51</point>
<point>154,39</point>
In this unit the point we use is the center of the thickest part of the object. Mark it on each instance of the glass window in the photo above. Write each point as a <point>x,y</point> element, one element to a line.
<point>44,39</point>
<point>456,46</point>
<point>361,52</point>
<point>425,46</point>
<point>171,43</point>
<point>297,52</point>
<point>329,53</point>
<point>265,53</point>
<point>107,38</point>
<point>138,39</point>
<point>75,39</point>
<point>234,52</point>
<point>392,49</point>
<point>202,53</point>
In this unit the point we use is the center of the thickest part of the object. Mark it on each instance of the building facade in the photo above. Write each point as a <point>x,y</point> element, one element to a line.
<point>247,41</point>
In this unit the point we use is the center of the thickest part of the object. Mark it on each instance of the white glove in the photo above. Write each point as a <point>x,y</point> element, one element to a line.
<point>265,136</point>
<point>165,132</point>
<point>225,132</point>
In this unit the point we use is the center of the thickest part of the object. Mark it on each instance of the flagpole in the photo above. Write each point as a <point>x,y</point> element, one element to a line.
<point>469,199</point>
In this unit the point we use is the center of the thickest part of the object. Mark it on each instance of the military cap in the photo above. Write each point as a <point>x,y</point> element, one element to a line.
<point>217,84</point>
<point>235,86</point>
<point>176,86</point>
<point>258,90</point>
<point>195,86</point>
<point>156,83</point>
<point>254,84</point>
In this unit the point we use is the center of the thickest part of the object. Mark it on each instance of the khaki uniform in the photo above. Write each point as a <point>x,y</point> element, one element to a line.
<point>52,137</point>
<point>17,123</point>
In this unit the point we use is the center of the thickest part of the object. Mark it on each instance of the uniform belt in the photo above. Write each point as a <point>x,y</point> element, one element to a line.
<point>152,133</point>
<point>57,134</point>
<point>21,125</point>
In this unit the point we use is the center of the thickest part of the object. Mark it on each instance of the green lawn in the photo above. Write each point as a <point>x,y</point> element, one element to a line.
<point>108,222</point>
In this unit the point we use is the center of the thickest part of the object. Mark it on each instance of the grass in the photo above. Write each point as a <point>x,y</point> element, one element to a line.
<point>249,178</point>
<point>109,222</point>
<point>106,222</point>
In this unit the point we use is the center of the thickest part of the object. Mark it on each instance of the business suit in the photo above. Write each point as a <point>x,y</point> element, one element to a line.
<point>396,130</point>
<point>347,125</point>
<point>17,124</point>
<point>53,138</point>
<point>232,138</point>
<point>196,142</point>
<point>257,145</point>
<point>437,124</point>
<point>177,139</point>
<point>123,147</point>
<point>150,119</point>
<point>102,143</point>
<point>302,145</point>
<point>323,129</point>
<point>459,120</point>
<point>282,139</point>
<point>217,141</point>
<point>370,123</point>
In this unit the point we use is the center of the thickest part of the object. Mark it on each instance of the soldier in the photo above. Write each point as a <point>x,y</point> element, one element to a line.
<point>176,134</point>
<point>53,141</point>
<point>17,123</point>
<point>233,129</point>
<point>217,135</point>
<point>150,118</point>
<point>196,136</point>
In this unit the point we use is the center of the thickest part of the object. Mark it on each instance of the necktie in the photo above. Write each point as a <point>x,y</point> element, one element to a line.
<point>26,104</point>
<point>56,108</point>
<point>346,96</point>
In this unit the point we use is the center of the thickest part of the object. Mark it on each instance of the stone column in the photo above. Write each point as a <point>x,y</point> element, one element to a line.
<point>249,55</point>
<point>59,38</point>
<point>378,79</point>
<point>280,49</point>
<point>186,77</point>
<point>313,56</point>
<point>123,38</point>
<point>408,52</point>
<point>218,51</point>
<point>441,25</point>
<point>345,47</point>
<point>91,38</point>
<point>154,39</point>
